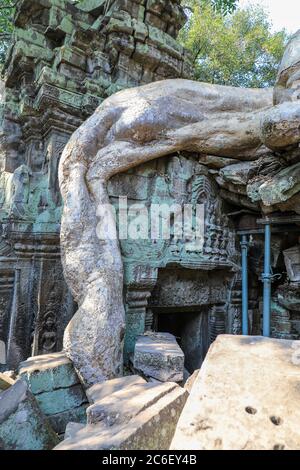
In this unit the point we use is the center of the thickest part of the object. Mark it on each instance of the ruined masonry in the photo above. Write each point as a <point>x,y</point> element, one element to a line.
<point>65,58</point>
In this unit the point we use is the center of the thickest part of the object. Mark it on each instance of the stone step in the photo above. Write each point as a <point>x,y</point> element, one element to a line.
<point>121,406</point>
<point>246,396</point>
<point>158,355</point>
<point>151,429</point>
<point>99,391</point>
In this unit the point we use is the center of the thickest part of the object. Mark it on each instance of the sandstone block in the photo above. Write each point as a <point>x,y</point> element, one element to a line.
<point>60,400</point>
<point>246,396</point>
<point>158,355</point>
<point>152,429</point>
<point>59,421</point>
<point>99,391</point>
<point>48,372</point>
<point>22,424</point>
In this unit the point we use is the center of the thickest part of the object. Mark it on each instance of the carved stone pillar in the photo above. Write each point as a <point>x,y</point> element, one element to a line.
<point>137,293</point>
<point>235,307</point>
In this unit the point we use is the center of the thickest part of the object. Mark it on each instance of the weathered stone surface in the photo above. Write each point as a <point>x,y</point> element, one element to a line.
<point>48,372</point>
<point>72,429</point>
<point>62,399</point>
<point>158,128</point>
<point>158,355</point>
<point>60,420</point>
<point>240,399</point>
<point>99,391</point>
<point>55,384</point>
<point>121,406</point>
<point>74,55</point>
<point>22,424</point>
<point>288,295</point>
<point>292,263</point>
<point>5,381</point>
<point>151,429</point>
<point>191,380</point>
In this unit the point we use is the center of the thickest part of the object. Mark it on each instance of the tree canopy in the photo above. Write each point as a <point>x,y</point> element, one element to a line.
<point>232,47</point>
<point>228,45</point>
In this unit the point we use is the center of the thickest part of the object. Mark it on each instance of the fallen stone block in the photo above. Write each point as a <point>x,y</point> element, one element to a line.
<point>60,400</point>
<point>22,424</point>
<point>191,380</point>
<point>121,406</point>
<point>246,396</point>
<point>152,429</point>
<point>48,372</point>
<point>72,429</point>
<point>158,355</point>
<point>99,391</point>
<point>5,382</point>
<point>60,421</point>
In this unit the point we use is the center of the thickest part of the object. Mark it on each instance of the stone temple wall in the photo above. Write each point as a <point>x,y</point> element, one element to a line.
<point>65,59</point>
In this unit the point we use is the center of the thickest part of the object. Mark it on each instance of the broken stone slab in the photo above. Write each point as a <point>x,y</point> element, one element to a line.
<point>121,406</point>
<point>5,381</point>
<point>22,424</point>
<point>48,372</point>
<point>99,391</point>
<point>152,429</point>
<point>232,404</point>
<point>281,187</point>
<point>158,355</point>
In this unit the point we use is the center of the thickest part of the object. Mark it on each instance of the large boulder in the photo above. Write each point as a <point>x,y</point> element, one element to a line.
<point>246,396</point>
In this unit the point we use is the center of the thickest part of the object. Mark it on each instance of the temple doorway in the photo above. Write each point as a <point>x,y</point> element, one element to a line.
<point>191,329</point>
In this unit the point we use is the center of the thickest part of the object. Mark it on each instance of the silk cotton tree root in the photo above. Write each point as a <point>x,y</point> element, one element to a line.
<point>130,128</point>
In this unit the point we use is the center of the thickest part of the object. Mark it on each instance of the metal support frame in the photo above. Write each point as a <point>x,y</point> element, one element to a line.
<point>267,279</point>
<point>244,246</point>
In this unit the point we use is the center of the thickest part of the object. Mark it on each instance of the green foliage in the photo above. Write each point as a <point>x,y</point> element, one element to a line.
<point>222,6</point>
<point>236,48</point>
<point>7,9</point>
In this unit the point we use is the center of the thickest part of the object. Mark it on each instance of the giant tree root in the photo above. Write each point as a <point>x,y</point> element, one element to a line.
<point>129,128</point>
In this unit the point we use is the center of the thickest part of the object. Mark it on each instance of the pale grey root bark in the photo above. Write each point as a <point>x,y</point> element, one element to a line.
<point>129,128</point>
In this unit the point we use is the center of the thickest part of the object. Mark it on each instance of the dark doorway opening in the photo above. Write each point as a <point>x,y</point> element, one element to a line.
<point>191,331</point>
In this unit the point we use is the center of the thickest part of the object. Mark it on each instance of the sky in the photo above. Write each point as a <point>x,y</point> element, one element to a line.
<point>283,13</point>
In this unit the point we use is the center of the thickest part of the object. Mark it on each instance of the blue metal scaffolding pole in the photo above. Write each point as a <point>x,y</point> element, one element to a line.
<point>244,245</point>
<point>266,277</point>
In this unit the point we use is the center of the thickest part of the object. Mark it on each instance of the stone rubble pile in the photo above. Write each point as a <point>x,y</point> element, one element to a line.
<point>127,414</point>
<point>23,426</point>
